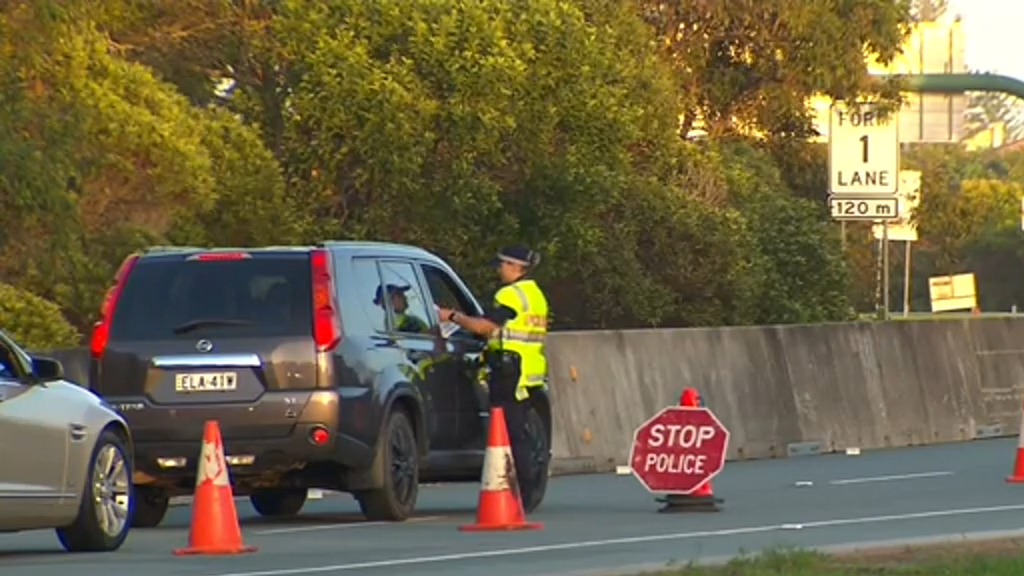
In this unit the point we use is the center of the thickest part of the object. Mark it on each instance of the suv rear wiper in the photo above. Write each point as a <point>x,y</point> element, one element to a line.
<point>199,323</point>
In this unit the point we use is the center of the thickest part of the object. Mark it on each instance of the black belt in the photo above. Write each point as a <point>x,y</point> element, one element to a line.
<point>501,357</point>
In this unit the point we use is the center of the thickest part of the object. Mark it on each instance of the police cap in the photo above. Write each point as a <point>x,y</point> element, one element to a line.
<point>516,255</point>
<point>392,289</point>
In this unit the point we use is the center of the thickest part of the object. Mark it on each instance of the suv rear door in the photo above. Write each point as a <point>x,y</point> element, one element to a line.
<point>217,329</point>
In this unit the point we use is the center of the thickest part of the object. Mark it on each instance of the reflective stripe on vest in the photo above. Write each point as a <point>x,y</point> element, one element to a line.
<point>525,333</point>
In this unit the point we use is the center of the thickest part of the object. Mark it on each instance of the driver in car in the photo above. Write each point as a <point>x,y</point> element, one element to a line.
<point>404,322</point>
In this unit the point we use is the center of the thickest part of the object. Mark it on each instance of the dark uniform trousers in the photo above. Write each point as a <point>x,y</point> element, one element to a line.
<point>504,375</point>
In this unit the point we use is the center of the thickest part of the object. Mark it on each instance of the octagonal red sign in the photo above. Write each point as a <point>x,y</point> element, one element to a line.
<point>678,449</point>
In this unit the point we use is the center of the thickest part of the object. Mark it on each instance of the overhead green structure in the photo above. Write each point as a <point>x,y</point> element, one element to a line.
<point>960,83</point>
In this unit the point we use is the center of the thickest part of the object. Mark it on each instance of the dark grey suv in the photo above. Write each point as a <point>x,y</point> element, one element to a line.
<point>324,365</point>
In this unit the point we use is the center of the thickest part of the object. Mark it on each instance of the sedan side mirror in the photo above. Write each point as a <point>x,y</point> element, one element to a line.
<point>47,369</point>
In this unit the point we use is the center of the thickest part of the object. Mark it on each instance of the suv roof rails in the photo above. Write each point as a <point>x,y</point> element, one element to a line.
<point>368,244</point>
<point>179,249</point>
<point>157,249</point>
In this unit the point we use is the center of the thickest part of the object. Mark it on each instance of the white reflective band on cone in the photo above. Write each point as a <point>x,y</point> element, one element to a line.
<point>497,460</point>
<point>212,467</point>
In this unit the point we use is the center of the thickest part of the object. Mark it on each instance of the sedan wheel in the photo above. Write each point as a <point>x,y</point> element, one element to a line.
<point>103,515</point>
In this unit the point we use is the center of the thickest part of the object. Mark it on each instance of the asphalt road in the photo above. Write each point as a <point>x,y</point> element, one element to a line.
<point>598,524</point>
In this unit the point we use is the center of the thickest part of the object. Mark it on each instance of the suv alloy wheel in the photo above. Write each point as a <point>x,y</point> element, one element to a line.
<point>396,500</point>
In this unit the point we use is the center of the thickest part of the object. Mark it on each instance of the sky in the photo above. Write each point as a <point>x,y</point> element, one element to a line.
<point>993,34</point>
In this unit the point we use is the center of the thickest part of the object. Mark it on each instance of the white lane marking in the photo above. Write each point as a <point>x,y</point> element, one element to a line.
<point>504,552</point>
<point>912,516</point>
<point>628,540</point>
<point>340,525</point>
<point>890,478</point>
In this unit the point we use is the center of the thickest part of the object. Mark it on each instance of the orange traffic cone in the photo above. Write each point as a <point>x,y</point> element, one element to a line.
<point>215,528</point>
<point>703,498</point>
<point>689,398</point>
<point>692,399</point>
<point>1018,466</point>
<point>499,506</point>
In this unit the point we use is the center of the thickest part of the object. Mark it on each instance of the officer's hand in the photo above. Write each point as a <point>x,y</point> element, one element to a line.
<point>445,314</point>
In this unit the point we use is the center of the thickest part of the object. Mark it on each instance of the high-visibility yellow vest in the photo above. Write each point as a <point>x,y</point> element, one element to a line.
<point>525,333</point>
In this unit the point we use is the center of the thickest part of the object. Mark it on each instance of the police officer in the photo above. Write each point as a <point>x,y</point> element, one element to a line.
<point>515,325</point>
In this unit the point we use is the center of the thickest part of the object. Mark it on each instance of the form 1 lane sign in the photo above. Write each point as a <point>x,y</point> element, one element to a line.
<point>678,449</point>
<point>863,150</point>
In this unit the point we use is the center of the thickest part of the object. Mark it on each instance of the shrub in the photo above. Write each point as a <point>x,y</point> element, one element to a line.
<point>34,322</point>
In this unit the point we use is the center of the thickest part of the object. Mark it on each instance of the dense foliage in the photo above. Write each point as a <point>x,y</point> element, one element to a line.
<point>458,126</point>
<point>33,322</point>
<point>970,220</point>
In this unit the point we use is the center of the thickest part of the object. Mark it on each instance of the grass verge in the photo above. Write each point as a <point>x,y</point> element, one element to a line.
<point>1004,557</point>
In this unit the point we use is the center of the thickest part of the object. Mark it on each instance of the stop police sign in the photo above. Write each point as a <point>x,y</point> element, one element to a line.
<point>678,449</point>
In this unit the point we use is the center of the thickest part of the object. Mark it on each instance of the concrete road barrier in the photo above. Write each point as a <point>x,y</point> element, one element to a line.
<point>781,390</point>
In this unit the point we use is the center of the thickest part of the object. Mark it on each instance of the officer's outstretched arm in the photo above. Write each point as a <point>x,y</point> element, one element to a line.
<point>487,324</point>
<point>480,326</point>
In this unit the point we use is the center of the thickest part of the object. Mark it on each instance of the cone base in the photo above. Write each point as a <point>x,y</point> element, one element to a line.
<point>682,503</point>
<point>1015,479</point>
<point>214,550</point>
<point>501,527</point>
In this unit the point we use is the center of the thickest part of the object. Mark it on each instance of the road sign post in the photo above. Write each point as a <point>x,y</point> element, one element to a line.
<point>678,450</point>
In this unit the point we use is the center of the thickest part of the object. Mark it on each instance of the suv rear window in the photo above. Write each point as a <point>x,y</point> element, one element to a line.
<point>265,295</point>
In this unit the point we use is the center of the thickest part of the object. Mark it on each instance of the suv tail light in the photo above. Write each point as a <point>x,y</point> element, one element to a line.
<point>326,328</point>
<point>101,330</point>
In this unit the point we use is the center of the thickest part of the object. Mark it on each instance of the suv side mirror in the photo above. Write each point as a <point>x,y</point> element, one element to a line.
<point>47,369</point>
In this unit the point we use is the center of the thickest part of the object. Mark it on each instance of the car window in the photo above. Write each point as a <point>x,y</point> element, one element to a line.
<point>365,283</point>
<point>403,298</point>
<point>10,369</point>
<point>265,295</point>
<point>445,291</point>
<point>7,372</point>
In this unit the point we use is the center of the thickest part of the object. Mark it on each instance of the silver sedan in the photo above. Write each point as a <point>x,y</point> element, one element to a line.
<point>65,454</point>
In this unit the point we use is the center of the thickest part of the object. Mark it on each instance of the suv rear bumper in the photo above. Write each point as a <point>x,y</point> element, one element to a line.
<point>266,443</point>
<point>161,459</point>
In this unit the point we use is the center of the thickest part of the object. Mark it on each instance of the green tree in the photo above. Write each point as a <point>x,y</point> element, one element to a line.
<point>456,126</point>
<point>102,157</point>
<point>968,220</point>
<point>751,66</point>
<point>466,126</point>
<point>33,322</point>
<point>804,272</point>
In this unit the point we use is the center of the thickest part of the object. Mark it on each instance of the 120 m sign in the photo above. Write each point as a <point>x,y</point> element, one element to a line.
<point>864,208</point>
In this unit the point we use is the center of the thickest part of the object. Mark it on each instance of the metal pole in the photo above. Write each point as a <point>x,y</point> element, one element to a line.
<point>885,270</point>
<point>842,234</point>
<point>906,279</point>
<point>878,279</point>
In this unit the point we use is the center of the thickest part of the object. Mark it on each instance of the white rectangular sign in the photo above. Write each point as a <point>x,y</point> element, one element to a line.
<point>863,150</point>
<point>955,292</point>
<point>904,229</point>
<point>869,208</point>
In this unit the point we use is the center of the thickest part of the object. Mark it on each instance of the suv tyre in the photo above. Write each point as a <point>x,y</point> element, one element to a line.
<point>150,507</point>
<point>537,437</point>
<point>277,502</point>
<point>399,455</point>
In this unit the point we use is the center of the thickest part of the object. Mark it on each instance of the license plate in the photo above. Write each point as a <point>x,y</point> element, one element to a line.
<point>206,382</point>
